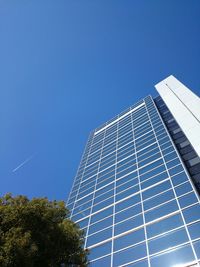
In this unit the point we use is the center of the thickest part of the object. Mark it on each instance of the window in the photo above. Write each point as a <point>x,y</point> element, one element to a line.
<point>100,225</point>
<point>187,200</point>
<point>129,255</point>
<point>80,215</point>
<point>129,239</point>
<point>185,143</point>
<point>98,237</point>
<point>194,230</point>
<point>177,130</point>
<point>161,211</point>
<point>100,251</point>
<point>168,240</point>
<point>126,185</point>
<point>130,212</point>
<point>104,190</point>
<point>176,169</point>
<point>128,202</point>
<point>151,166</point>
<point>192,213</point>
<point>180,256</point>
<point>83,223</point>
<point>157,200</point>
<point>106,261</point>
<point>197,248</point>
<point>194,161</point>
<point>101,215</point>
<point>143,263</point>
<point>172,163</point>
<point>156,189</point>
<point>128,224</point>
<point>148,154</point>
<point>179,178</point>
<point>149,159</point>
<point>155,179</point>
<point>127,192</point>
<point>170,156</point>
<point>153,172</point>
<point>164,225</point>
<point>103,204</point>
<point>104,196</point>
<point>127,178</point>
<point>183,188</point>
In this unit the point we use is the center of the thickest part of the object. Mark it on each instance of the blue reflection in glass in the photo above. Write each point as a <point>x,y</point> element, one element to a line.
<point>156,189</point>
<point>143,263</point>
<point>128,202</point>
<point>154,180</point>
<point>102,215</point>
<point>127,192</point>
<point>179,178</point>
<point>187,200</point>
<point>98,237</point>
<point>101,225</point>
<point>194,230</point>
<point>168,240</point>
<point>182,189</point>
<point>158,199</point>
<point>192,213</point>
<point>83,223</point>
<point>129,239</point>
<point>100,251</point>
<point>129,255</point>
<point>179,256</point>
<point>128,224</point>
<point>106,261</point>
<point>197,248</point>
<point>128,213</point>
<point>161,211</point>
<point>176,169</point>
<point>164,225</point>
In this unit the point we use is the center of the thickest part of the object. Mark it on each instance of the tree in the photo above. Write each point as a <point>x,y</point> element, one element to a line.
<point>37,233</point>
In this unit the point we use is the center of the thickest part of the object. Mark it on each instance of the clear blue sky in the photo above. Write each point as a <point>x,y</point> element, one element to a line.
<point>68,66</point>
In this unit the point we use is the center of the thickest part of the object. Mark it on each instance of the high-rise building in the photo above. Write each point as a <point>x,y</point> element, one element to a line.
<point>136,192</point>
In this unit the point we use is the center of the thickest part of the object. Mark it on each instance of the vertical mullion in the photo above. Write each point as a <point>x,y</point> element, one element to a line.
<point>141,198</point>
<point>89,221</point>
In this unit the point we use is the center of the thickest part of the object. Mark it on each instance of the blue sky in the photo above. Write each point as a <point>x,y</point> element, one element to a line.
<point>68,66</point>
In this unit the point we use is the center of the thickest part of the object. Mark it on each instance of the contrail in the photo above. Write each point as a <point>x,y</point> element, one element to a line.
<point>23,163</point>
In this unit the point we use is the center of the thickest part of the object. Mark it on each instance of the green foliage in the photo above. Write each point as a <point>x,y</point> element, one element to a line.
<point>37,233</point>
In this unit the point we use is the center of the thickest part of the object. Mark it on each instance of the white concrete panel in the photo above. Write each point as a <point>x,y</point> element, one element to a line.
<point>184,106</point>
<point>189,99</point>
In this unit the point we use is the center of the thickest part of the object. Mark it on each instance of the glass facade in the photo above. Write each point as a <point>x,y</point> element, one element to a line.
<point>133,195</point>
<point>187,152</point>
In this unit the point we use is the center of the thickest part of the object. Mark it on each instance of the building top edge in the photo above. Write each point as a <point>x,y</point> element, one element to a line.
<point>119,116</point>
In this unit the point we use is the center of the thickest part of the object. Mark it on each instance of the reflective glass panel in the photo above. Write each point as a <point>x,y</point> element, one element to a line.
<point>180,256</point>
<point>168,240</point>
<point>106,261</point>
<point>98,237</point>
<point>129,239</point>
<point>164,225</point>
<point>100,251</point>
<point>129,255</point>
<point>128,224</point>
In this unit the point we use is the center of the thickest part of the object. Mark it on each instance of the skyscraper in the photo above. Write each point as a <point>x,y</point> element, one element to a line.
<point>136,192</point>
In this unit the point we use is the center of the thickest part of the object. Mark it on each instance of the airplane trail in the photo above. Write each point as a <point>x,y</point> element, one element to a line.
<point>23,163</point>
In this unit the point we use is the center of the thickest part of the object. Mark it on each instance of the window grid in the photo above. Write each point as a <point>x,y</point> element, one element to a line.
<point>92,201</point>
<point>120,144</point>
<point>142,204</point>
<point>183,218</point>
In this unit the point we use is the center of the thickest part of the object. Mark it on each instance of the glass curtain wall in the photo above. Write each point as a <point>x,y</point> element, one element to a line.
<point>133,196</point>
